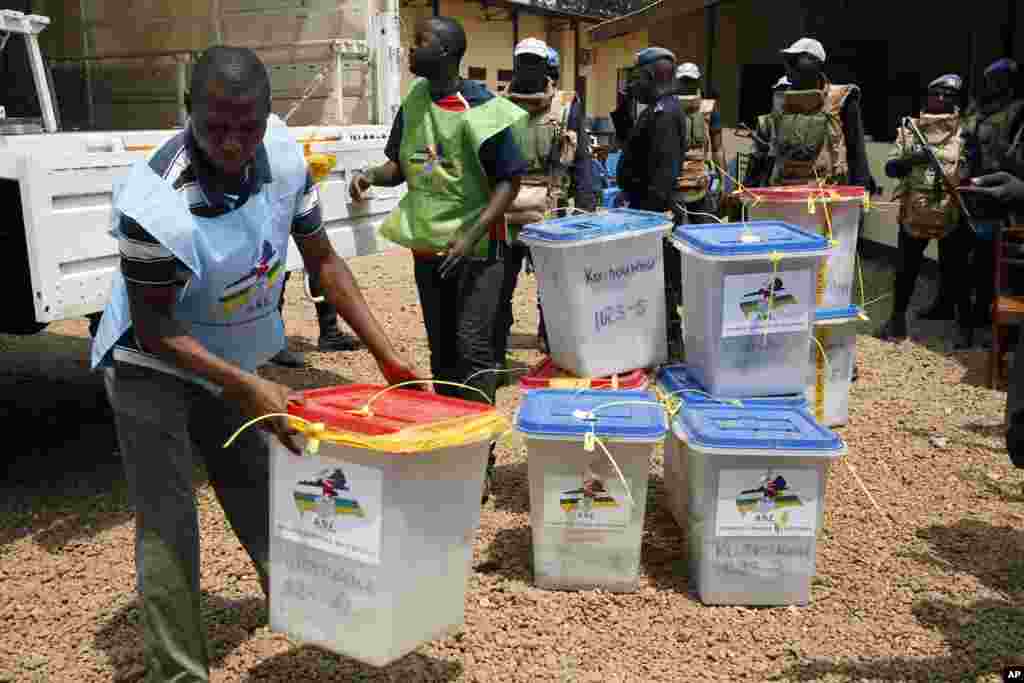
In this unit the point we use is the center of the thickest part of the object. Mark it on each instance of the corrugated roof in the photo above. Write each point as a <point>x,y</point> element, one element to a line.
<point>641,19</point>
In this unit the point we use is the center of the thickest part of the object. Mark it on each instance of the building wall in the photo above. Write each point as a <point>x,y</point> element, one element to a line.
<point>609,57</point>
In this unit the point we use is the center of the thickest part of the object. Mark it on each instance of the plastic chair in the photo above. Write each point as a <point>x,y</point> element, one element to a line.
<point>1007,309</point>
<point>612,166</point>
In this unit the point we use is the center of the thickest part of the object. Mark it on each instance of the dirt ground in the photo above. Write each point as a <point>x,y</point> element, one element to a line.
<point>936,593</point>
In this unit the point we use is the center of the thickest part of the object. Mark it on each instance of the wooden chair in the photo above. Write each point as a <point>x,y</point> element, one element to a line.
<point>1007,309</point>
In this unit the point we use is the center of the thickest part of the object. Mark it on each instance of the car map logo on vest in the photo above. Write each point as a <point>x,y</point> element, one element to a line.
<point>258,281</point>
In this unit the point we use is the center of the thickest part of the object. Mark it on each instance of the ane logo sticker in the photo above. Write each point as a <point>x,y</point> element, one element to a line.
<point>767,502</point>
<point>327,496</point>
<point>328,505</point>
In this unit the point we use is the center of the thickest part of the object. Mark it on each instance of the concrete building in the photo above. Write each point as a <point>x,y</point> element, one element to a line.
<point>891,50</point>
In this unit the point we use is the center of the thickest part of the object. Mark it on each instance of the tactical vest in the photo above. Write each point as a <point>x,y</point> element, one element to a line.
<point>809,143</point>
<point>695,178</point>
<point>927,210</point>
<point>996,143</point>
<point>996,136</point>
<point>549,148</point>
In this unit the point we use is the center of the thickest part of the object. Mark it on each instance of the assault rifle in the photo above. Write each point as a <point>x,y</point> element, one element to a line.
<point>936,165</point>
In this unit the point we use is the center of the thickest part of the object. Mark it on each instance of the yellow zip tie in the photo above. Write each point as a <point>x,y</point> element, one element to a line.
<point>888,518</point>
<point>821,366</point>
<point>625,484</point>
<point>365,410</point>
<point>314,430</point>
<point>495,371</point>
<point>728,401</point>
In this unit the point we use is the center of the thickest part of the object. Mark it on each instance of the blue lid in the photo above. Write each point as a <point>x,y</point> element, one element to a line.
<point>756,429</point>
<point>850,312</point>
<point>729,239</point>
<point>554,412</point>
<point>592,226</point>
<point>679,381</point>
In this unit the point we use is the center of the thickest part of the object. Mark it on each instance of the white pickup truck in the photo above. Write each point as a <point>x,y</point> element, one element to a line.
<point>56,188</point>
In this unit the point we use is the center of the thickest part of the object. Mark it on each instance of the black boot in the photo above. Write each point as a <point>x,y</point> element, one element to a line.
<point>331,337</point>
<point>895,328</point>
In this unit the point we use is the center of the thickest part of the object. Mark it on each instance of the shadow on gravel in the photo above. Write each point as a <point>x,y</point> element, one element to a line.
<point>995,555</point>
<point>60,477</point>
<point>229,623</point>
<point>984,636</point>
<point>313,664</point>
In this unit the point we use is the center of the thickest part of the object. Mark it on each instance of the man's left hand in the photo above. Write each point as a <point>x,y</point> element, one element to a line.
<point>1002,186</point>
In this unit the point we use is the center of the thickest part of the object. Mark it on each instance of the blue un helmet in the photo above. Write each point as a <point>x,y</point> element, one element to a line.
<point>554,64</point>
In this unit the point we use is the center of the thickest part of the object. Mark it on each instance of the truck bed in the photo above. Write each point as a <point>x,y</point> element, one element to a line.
<point>64,184</point>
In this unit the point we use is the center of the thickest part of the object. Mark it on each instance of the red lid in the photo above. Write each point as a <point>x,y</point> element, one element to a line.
<point>391,412</point>
<point>542,375</point>
<point>798,193</point>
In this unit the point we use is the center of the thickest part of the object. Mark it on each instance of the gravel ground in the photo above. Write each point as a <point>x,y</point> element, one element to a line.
<point>933,590</point>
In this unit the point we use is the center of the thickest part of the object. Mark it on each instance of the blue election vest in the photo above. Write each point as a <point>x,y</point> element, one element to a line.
<point>237,260</point>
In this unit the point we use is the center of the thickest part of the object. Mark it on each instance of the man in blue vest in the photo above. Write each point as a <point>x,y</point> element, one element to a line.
<point>203,228</point>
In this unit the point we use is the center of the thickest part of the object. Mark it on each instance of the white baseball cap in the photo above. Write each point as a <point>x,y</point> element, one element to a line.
<point>808,46</point>
<point>688,70</point>
<point>531,46</point>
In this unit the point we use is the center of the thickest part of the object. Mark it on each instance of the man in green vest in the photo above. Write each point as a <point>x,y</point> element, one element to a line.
<point>557,153</point>
<point>454,146</point>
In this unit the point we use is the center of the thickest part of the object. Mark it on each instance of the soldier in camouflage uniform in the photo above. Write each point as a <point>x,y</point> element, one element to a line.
<point>992,143</point>
<point>703,145</point>
<point>928,211</point>
<point>761,159</point>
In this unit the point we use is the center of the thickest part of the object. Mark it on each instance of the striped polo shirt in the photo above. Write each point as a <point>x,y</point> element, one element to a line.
<point>144,261</point>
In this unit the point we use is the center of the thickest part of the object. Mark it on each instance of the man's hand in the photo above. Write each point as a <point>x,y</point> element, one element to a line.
<point>457,250</point>
<point>1002,186</point>
<point>257,397</point>
<point>396,371</point>
<point>359,186</point>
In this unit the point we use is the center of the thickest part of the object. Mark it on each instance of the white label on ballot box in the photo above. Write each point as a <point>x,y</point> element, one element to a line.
<point>329,505</point>
<point>585,502</point>
<point>766,303</point>
<point>768,502</point>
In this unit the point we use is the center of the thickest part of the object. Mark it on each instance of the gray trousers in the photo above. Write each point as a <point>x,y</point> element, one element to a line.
<point>165,427</point>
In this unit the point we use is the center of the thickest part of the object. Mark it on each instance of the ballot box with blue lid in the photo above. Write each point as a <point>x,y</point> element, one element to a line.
<point>755,501</point>
<point>679,387</point>
<point>588,455</point>
<point>833,355</point>
<point>749,299</point>
<point>601,283</point>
